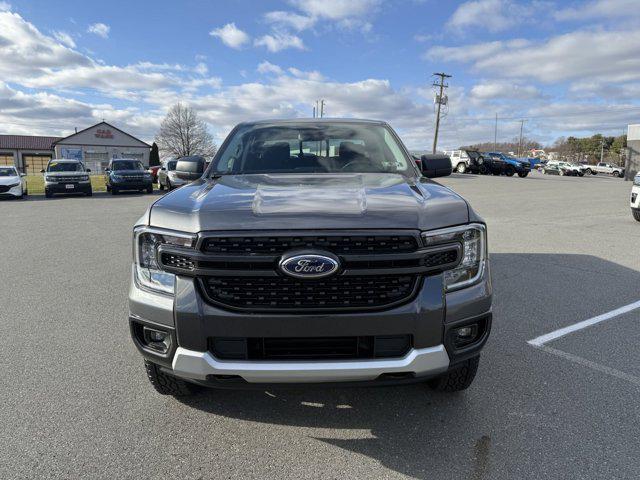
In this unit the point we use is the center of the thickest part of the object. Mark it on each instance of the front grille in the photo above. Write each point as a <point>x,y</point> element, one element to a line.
<point>66,179</point>
<point>133,179</point>
<point>310,348</point>
<point>284,293</point>
<point>4,188</point>
<point>178,261</point>
<point>338,244</point>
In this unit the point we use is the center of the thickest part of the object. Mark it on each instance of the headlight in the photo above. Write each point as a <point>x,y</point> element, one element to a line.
<point>147,175</point>
<point>115,177</point>
<point>146,241</point>
<point>50,179</point>
<point>636,180</point>
<point>13,185</point>
<point>473,239</point>
<point>84,178</point>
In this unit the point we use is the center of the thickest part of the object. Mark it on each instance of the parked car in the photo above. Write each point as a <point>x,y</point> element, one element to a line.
<point>635,197</point>
<point>66,176</point>
<point>606,168</point>
<point>459,160</point>
<point>485,165</point>
<point>166,174</point>
<point>551,168</point>
<point>565,168</point>
<point>273,266</point>
<point>154,173</point>
<point>127,174</point>
<point>12,183</point>
<point>512,164</point>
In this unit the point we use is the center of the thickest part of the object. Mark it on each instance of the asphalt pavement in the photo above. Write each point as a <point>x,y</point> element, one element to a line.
<point>75,401</point>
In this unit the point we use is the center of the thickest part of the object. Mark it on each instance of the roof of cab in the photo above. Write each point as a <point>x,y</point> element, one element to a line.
<point>312,121</point>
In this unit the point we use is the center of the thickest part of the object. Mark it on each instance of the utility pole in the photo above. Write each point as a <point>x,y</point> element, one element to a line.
<point>442,86</point>
<point>601,149</point>
<point>322,108</point>
<point>520,141</point>
<point>314,112</point>
<point>495,134</point>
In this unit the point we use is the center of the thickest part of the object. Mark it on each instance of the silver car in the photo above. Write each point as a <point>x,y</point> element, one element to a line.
<point>12,183</point>
<point>167,177</point>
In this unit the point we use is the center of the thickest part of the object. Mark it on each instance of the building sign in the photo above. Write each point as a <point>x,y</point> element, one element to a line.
<point>71,153</point>
<point>104,133</point>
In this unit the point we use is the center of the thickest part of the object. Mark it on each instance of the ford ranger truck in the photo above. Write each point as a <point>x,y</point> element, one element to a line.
<point>311,252</point>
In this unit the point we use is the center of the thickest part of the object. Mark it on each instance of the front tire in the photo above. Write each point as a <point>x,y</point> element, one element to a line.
<point>160,185</point>
<point>523,174</point>
<point>636,214</point>
<point>509,171</point>
<point>48,194</point>
<point>458,378</point>
<point>588,171</point>
<point>166,384</point>
<point>114,191</point>
<point>461,168</point>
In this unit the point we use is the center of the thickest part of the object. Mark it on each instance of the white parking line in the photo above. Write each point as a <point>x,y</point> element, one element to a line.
<point>561,332</point>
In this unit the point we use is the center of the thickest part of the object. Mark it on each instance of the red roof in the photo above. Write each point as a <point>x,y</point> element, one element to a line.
<point>27,142</point>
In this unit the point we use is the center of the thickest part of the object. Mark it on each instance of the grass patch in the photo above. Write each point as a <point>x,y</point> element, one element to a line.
<point>35,184</point>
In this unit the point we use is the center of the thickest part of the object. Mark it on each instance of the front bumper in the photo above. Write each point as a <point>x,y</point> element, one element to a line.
<point>429,318</point>
<point>68,187</point>
<point>132,185</point>
<point>12,192</point>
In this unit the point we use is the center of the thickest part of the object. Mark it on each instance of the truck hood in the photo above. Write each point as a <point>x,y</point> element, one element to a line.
<point>318,201</point>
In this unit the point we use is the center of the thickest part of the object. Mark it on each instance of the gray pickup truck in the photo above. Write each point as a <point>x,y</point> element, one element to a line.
<point>316,252</point>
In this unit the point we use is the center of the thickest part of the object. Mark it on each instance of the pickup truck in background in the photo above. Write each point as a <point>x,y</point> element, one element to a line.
<point>606,168</point>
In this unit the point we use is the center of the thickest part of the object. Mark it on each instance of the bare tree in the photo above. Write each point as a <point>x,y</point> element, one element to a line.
<point>183,133</point>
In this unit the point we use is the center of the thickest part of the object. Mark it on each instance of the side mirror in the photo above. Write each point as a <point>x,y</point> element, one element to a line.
<point>433,166</point>
<point>162,168</point>
<point>42,171</point>
<point>107,170</point>
<point>88,170</point>
<point>23,174</point>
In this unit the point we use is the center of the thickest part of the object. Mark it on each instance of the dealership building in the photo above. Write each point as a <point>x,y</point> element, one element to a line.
<point>94,146</point>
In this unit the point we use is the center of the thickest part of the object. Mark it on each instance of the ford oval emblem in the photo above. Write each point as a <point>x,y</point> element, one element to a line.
<point>309,265</point>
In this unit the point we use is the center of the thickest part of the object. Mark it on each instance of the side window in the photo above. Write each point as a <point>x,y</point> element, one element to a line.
<point>231,155</point>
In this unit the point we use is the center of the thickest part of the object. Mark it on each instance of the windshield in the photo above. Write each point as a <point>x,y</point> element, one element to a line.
<point>65,167</point>
<point>126,165</point>
<point>8,172</point>
<point>312,148</point>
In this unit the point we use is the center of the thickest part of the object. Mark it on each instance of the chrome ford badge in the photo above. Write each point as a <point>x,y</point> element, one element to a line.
<point>309,265</point>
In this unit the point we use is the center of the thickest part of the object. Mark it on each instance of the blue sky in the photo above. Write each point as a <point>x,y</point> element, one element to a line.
<point>567,68</point>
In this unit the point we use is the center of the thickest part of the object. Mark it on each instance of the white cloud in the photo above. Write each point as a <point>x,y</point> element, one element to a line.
<point>100,29</point>
<point>578,55</point>
<point>336,9</point>
<point>500,90</point>
<point>268,67</point>
<point>5,6</point>
<point>494,15</point>
<point>290,20</point>
<point>280,41</point>
<point>313,75</point>
<point>65,39</point>
<point>231,35</point>
<point>599,9</point>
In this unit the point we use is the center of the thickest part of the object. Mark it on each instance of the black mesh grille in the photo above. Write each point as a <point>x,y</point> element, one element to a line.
<point>283,293</point>
<point>309,348</point>
<point>5,188</point>
<point>178,261</point>
<point>338,244</point>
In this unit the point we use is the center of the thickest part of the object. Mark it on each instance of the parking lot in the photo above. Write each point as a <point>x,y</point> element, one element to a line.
<point>76,403</point>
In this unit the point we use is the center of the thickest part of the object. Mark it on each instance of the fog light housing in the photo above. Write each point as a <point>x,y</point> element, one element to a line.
<point>465,335</point>
<point>157,340</point>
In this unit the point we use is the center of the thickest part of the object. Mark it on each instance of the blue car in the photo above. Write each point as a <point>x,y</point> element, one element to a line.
<point>512,164</point>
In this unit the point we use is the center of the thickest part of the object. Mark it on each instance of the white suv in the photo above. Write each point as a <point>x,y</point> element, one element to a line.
<point>12,183</point>
<point>635,198</point>
<point>459,160</point>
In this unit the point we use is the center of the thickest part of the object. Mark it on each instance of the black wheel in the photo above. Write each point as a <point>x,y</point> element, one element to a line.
<point>509,171</point>
<point>636,214</point>
<point>160,185</point>
<point>593,172</point>
<point>458,378</point>
<point>461,168</point>
<point>48,194</point>
<point>588,171</point>
<point>169,187</point>
<point>523,174</point>
<point>166,384</point>
<point>114,191</point>
<point>580,174</point>
<point>150,189</point>
<point>483,170</point>
<point>108,188</point>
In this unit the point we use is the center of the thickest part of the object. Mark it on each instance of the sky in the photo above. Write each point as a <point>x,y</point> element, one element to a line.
<point>564,67</point>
